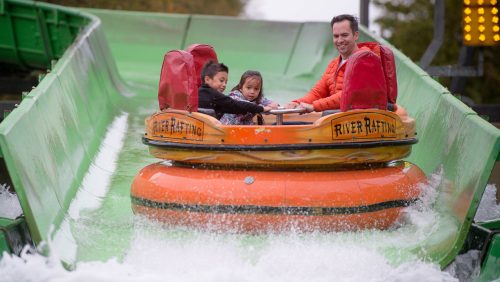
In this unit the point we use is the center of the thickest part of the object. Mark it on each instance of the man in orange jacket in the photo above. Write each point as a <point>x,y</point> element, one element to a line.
<point>325,95</point>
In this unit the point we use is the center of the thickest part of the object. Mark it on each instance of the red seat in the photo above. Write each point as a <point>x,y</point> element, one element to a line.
<point>389,66</point>
<point>178,87</point>
<point>180,77</point>
<point>201,54</point>
<point>364,83</point>
<point>369,80</point>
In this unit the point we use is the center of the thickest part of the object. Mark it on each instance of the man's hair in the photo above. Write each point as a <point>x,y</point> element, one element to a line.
<point>353,21</point>
<point>211,68</point>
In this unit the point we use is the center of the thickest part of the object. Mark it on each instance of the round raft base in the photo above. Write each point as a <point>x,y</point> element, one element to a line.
<point>263,201</point>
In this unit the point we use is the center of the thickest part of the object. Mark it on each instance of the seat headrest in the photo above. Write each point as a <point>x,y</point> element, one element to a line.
<point>180,76</point>
<point>201,54</point>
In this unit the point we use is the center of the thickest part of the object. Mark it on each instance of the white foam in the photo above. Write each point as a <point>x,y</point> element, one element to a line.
<point>466,267</point>
<point>9,203</point>
<point>93,189</point>
<point>96,182</point>
<point>162,253</point>
<point>187,256</point>
<point>488,208</point>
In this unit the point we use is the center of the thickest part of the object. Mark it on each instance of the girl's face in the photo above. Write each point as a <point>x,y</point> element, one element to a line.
<point>251,88</point>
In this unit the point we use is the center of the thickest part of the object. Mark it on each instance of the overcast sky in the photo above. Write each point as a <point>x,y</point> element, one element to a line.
<point>299,10</point>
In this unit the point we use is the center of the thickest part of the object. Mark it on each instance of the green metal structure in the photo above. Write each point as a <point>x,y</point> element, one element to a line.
<point>103,69</point>
<point>491,251</point>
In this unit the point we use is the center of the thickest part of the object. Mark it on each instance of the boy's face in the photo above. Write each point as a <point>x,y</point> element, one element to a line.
<point>218,82</point>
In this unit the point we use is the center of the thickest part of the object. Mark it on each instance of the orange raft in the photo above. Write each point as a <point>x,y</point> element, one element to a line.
<point>255,201</point>
<point>353,137</point>
<point>339,172</point>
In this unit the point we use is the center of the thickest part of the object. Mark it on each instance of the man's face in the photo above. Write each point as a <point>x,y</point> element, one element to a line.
<point>343,38</point>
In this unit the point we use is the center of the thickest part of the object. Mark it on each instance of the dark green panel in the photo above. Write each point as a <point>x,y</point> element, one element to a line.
<point>490,270</point>
<point>34,34</point>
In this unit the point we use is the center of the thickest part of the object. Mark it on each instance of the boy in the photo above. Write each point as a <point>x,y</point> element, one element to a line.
<point>213,83</point>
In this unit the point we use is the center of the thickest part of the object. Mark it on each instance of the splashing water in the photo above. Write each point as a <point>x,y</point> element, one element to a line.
<point>163,253</point>
<point>9,204</point>
<point>488,208</point>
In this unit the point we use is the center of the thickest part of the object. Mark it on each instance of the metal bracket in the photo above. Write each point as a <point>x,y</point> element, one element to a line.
<point>437,39</point>
<point>364,12</point>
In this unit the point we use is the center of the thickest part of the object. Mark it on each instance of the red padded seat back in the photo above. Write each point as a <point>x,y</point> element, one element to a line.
<point>389,66</point>
<point>178,82</point>
<point>364,85</point>
<point>201,54</point>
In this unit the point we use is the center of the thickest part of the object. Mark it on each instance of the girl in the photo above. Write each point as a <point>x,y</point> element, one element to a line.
<point>249,89</point>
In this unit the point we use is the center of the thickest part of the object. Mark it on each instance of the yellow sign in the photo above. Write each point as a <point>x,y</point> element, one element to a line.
<point>480,23</point>
<point>363,126</point>
<point>177,126</point>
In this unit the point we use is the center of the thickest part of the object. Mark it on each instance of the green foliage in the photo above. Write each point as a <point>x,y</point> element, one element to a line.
<point>207,7</point>
<point>408,25</point>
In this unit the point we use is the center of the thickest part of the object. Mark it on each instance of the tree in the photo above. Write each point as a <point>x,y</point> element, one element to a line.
<point>408,25</point>
<point>207,7</point>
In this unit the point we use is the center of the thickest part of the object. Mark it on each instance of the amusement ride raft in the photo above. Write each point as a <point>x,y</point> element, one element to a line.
<point>328,172</point>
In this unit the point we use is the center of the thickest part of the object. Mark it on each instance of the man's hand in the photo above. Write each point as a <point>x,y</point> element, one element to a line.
<point>291,105</point>
<point>308,107</point>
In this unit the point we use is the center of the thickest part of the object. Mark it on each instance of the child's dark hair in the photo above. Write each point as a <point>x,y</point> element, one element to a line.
<point>211,68</point>
<point>249,74</point>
